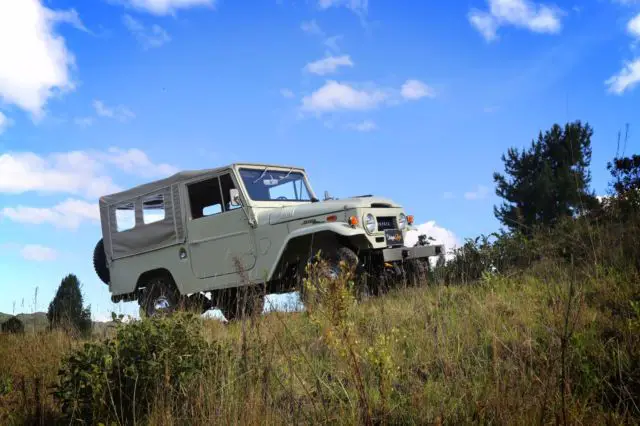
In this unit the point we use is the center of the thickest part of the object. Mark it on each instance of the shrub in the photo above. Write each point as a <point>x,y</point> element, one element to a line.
<point>13,325</point>
<point>119,378</point>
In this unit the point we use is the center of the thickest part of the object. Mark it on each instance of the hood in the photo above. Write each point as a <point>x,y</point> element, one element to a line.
<point>301,211</point>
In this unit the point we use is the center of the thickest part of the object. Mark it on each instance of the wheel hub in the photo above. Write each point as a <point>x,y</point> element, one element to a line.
<point>161,304</point>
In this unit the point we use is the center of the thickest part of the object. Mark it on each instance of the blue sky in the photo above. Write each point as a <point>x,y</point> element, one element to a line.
<point>413,100</point>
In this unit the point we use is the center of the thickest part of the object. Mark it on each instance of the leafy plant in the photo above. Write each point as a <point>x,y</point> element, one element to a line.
<point>117,379</point>
<point>13,325</point>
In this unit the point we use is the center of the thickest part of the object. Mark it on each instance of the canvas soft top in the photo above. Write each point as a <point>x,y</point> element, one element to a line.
<point>150,187</point>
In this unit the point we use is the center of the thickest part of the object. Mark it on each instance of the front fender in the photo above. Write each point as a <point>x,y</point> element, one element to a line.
<point>340,228</point>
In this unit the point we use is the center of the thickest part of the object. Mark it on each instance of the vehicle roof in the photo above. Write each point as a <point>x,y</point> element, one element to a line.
<point>181,176</point>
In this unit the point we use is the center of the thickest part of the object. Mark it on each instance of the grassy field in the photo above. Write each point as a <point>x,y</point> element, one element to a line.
<point>548,345</point>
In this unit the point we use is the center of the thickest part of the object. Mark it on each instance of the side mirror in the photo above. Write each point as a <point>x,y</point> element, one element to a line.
<point>234,196</point>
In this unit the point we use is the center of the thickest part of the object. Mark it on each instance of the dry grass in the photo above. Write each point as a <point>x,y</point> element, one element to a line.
<point>546,346</point>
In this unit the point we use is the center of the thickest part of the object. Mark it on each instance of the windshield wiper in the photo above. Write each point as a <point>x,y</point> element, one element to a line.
<point>287,175</point>
<point>262,175</point>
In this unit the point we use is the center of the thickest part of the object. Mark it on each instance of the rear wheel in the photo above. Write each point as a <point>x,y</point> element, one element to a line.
<point>159,296</point>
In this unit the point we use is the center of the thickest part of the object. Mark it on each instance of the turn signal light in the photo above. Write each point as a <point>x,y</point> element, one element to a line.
<point>353,221</point>
<point>332,218</point>
<point>410,219</point>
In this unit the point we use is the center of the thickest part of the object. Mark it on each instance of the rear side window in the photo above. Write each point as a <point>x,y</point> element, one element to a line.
<point>153,209</point>
<point>205,198</point>
<point>125,217</point>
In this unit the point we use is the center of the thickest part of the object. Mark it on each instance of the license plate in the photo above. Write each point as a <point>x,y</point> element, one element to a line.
<point>394,237</point>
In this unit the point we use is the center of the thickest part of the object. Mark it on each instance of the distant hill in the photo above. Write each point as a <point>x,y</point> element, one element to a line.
<point>32,322</point>
<point>37,321</point>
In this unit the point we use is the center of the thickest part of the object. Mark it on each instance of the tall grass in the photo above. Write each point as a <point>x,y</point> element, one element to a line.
<point>556,342</point>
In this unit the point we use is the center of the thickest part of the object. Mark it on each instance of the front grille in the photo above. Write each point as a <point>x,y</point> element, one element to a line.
<point>386,222</point>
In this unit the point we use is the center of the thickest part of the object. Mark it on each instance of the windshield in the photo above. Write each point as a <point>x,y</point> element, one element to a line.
<point>275,185</point>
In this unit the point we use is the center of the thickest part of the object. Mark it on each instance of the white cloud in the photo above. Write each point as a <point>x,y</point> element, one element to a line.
<point>311,27</point>
<point>136,161</point>
<point>69,214</point>
<point>481,192</point>
<point>626,79</point>
<point>76,172</point>
<point>332,43</point>
<point>338,96</point>
<point>287,93</point>
<point>415,89</point>
<point>84,121</point>
<point>38,253</point>
<point>166,7</point>
<point>147,37</point>
<point>518,13</point>
<point>120,113</point>
<point>364,126</point>
<point>328,65</point>
<point>439,234</point>
<point>634,27</point>
<point>35,63</point>
<point>72,172</point>
<point>358,6</point>
<point>70,17</point>
<point>4,122</point>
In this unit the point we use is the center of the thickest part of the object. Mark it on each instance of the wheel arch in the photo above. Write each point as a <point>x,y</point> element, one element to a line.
<point>147,275</point>
<point>303,243</point>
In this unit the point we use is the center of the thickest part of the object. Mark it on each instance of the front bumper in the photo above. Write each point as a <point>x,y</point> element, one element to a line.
<point>407,253</point>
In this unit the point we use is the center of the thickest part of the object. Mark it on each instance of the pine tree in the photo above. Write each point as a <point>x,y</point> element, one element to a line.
<point>66,309</point>
<point>626,184</point>
<point>548,181</point>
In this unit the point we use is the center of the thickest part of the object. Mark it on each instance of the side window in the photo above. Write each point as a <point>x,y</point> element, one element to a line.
<point>125,217</point>
<point>227,185</point>
<point>204,198</point>
<point>153,209</point>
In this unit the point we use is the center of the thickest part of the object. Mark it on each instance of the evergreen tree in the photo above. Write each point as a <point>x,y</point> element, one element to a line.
<point>548,181</point>
<point>626,184</point>
<point>66,309</point>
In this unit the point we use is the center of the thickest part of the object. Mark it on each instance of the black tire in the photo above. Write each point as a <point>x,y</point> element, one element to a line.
<point>159,296</point>
<point>100,262</point>
<point>332,270</point>
<point>417,272</point>
<point>239,303</point>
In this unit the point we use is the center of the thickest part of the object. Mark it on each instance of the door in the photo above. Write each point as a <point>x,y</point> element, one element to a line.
<point>219,236</point>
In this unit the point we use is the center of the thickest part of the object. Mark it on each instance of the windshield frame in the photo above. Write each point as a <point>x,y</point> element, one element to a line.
<point>264,170</point>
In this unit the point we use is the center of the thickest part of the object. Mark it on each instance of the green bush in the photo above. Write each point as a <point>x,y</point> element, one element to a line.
<point>13,325</point>
<point>118,379</point>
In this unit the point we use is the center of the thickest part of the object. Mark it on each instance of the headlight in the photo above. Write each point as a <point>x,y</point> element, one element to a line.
<point>370,223</point>
<point>402,221</point>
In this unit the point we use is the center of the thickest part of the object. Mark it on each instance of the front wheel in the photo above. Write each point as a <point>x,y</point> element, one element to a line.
<point>331,268</point>
<point>417,272</point>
